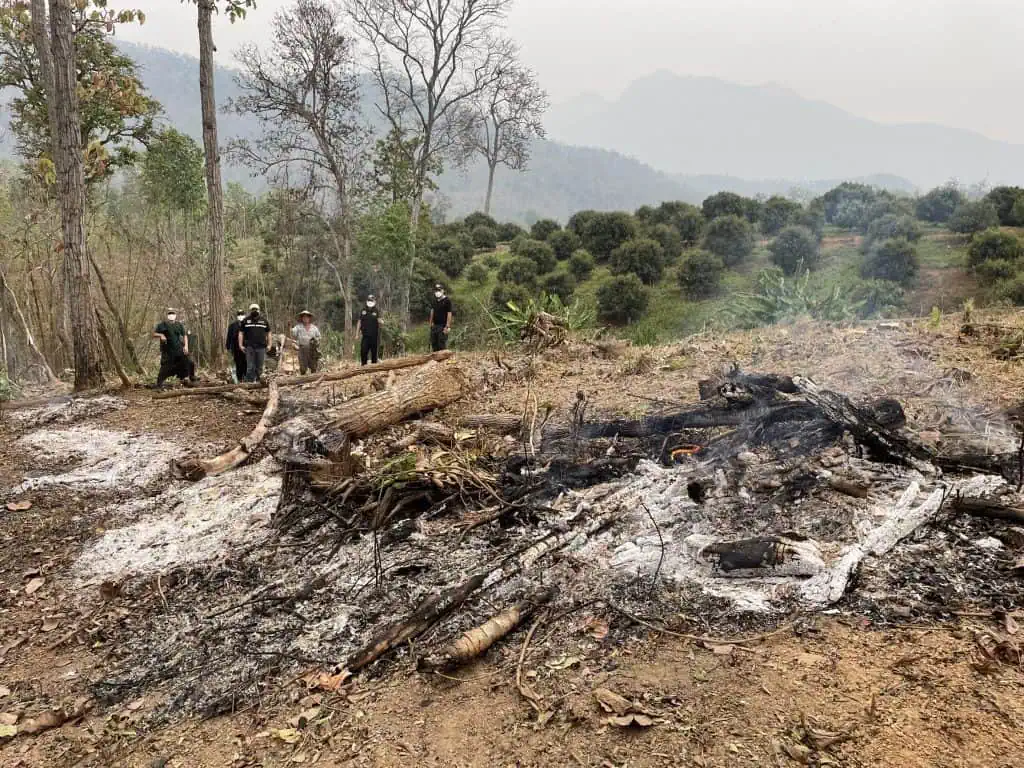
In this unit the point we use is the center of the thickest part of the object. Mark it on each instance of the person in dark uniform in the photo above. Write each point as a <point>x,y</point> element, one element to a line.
<point>369,330</point>
<point>440,319</point>
<point>253,338</point>
<point>236,351</point>
<point>173,348</point>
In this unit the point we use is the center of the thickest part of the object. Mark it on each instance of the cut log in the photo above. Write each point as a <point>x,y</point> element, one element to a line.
<point>478,640</point>
<point>387,365</point>
<point>849,487</point>
<point>327,432</point>
<point>758,557</point>
<point>197,469</point>
<point>990,508</point>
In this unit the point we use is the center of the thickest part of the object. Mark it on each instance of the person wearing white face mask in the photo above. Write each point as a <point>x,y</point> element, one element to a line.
<point>238,375</point>
<point>173,348</point>
<point>440,319</point>
<point>368,329</point>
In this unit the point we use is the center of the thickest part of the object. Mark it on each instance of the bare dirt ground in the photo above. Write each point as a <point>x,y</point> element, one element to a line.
<point>843,689</point>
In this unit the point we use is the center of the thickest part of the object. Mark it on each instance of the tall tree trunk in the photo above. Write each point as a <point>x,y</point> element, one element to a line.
<point>67,145</point>
<point>41,38</point>
<point>122,327</point>
<point>214,190</point>
<point>414,225</point>
<point>491,167</point>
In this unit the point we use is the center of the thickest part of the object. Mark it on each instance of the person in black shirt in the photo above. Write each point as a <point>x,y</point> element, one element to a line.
<point>233,347</point>
<point>369,330</point>
<point>440,319</point>
<point>173,348</point>
<point>252,338</point>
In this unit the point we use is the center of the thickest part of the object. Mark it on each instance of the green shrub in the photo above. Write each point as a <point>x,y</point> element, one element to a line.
<point>579,221</point>
<point>846,204</point>
<point>560,284</point>
<point>485,238</point>
<point>477,273</point>
<point>492,261</point>
<point>994,270</point>
<point>686,219</point>
<point>581,264</point>
<point>543,229</point>
<point>691,226</point>
<point>518,242</point>
<point>939,204</point>
<point>970,218</point>
<point>993,245</point>
<point>563,242</point>
<point>604,232</point>
<point>812,218</point>
<point>668,238</point>
<point>795,249</point>
<point>878,297</point>
<point>451,255</point>
<point>700,274</point>
<point>850,214</point>
<point>479,219</point>
<point>779,299</point>
<point>1005,199</point>
<point>889,227</point>
<point>778,213</point>
<point>508,232</point>
<point>506,293</point>
<point>731,238</point>
<point>894,260</point>
<point>621,300</point>
<point>539,253</point>
<point>520,270</point>
<point>731,204</point>
<point>1011,290</point>
<point>643,258</point>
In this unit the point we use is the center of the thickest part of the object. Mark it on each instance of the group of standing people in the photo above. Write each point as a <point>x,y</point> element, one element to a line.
<point>249,338</point>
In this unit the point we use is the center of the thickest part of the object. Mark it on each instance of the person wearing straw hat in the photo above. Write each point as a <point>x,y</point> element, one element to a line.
<point>253,337</point>
<point>368,329</point>
<point>307,339</point>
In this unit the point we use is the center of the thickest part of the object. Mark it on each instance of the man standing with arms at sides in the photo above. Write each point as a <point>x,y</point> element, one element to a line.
<point>173,348</point>
<point>236,351</point>
<point>307,339</point>
<point>440,320</point>
<point>368,328</point>
<point>252,338</point>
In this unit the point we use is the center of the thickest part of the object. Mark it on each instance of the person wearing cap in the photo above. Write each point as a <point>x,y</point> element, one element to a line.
<point>252,339</point>
<point>307,339</point>
<point>440,319</point>
<point>368,329</point>
<point>233,347</point>
<point>173,348</point>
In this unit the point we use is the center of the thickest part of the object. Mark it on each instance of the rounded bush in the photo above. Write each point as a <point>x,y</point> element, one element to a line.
<point>700,274</point>
<point>894,260</point>
<point>878,297</point>
<point>560,284</point>
<point>643,258</point>
<point>795,249</point>
<point>892,226</point>
<point>479,219</point>
<point>621,300</point>
<point>777,213</point>
<point>731,238</point>
<point>605,232</point>
<point>484,237</point>
<point>994,270</point>
<point>451,255</point>
<point>691,225</point>
<point>1004,199</point>
<point>729,204</point>
<point>492,261</point>
<point>668,238</point>
<point>581,264</point>
<point>539,253</point>
<point>509,293</point>
<point>563,242</point>
<point>938,205</point>
<point>993,245</point>
<point>579,221</point>
<point>477,273</point>
<point>519,270</point>
<point>971,218</point>
<point>543,229</point>
<point>508,232</point>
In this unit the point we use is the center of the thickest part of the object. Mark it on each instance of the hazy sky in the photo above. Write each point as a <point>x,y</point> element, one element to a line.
<point>955,62</point>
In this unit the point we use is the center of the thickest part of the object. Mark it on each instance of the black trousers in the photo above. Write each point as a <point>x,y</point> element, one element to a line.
<point>438,338</point>
<point>172,365</point>
<point>241,364</point>
<point>368,348</point>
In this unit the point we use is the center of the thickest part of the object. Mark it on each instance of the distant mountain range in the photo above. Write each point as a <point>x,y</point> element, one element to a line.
<point>666,138</point>
<point>702,125</point>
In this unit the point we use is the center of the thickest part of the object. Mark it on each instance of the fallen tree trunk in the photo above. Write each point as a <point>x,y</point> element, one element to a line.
<point>478,640</point>
<point>990,508</point>
<point>387,365</point>
<point>327,433</point>
<point>197,469</point>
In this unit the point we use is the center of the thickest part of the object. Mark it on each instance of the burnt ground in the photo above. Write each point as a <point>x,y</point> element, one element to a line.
<point>892,676</point>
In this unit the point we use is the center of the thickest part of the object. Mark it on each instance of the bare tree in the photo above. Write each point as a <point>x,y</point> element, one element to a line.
<point>508,116</point>
<point>429,60</point>
<point>305,92</point>
<point>70,172</point>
